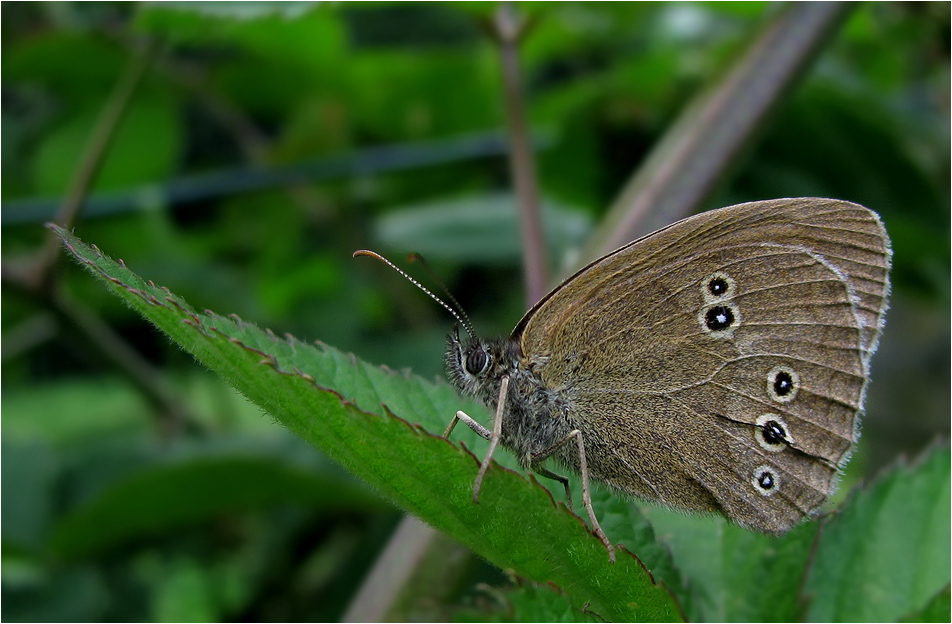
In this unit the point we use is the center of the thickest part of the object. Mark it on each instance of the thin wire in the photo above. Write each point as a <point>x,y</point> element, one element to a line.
<point>462,319</point>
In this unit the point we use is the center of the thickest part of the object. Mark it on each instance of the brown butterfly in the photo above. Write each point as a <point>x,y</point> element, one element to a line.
<point>718,364</point>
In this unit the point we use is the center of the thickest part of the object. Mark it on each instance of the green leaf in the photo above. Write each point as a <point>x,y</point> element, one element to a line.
<point>162,497</point>
<point>732,574</point>
<point>306,41</point>
<point>883,556</point>
<point>186,593</point>
<point>482,229</point>
<point>242,10</point>
<point>29,468</point>
<point>350,411</point>
<point>938,609</point>
<point>71,594</point>
<point>70,64</point>
<point>527,603</point>
<point>72,411</point>
<point>145,148</point>
<point>887,553</point>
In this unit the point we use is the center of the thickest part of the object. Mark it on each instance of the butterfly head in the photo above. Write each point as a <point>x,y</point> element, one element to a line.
<point>476,366</point>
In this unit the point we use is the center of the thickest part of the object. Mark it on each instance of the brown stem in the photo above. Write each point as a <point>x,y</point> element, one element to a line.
<point>171,412</point>
<point>416,574</point>
<point>508,29</point>
<point>380,589</point>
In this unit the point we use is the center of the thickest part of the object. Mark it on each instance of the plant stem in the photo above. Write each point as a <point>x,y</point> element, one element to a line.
<point>92,160</point>
<point>508,30</point>
<point>380,589</point>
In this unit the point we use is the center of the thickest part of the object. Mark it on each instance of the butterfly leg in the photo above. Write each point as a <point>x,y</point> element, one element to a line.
<point>481,431</point>
<point>545,472</point>
<point>586,490</point>
<point>493,437</point>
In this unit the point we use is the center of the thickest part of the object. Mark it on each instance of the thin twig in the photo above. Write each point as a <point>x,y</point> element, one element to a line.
<point>404,550</point>
<point>172,415</point>
<point>38,280</point>
<point>391,572</point>
<point>508,30</point>
<point>27,335</point>
<point>92,160</point>
<point>101,342</point>
<point>255,144</point>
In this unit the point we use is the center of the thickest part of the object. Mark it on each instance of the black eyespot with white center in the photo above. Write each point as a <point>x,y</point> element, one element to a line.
<point>719,321</point>
<point>719,315</point>
<point>476,361</point>
<point>765,480</point>
<point>783,383</point>
<point>717,287</point>
<point>719,318</point>
<point>772,433</point>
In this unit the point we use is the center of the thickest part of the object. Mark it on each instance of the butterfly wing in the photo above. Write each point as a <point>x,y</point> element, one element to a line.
<point>720,363</point>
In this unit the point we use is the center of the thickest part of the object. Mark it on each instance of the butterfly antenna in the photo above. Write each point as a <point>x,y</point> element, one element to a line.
<point>459,316</point>
<point>415,257</point>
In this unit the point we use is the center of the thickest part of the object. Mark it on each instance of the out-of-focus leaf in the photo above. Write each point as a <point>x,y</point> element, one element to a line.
<point>144,149</point>
<point>72,412</point>
<point>187,593</point>
<point>40,61</point>
<point>938,609</point>
<point>395,105</point>
<point>67,595</point>
<point>29,469</point>
<point>308,49</point>
<point>162,497</point>
<point>243,10</point>
<point>478,230</point>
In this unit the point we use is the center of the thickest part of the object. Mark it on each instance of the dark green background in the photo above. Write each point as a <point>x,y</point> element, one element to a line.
<point>244,93</point>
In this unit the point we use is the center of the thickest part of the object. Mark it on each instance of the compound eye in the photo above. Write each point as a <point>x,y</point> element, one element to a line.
<point>476,361</point>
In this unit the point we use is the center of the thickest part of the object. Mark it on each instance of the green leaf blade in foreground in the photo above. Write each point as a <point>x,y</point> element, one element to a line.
<point>732,574</point>
<point>348,410</point>
<point>887,554</point>
<point>523,603</point>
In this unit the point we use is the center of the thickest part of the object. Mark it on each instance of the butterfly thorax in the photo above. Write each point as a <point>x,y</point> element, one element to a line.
<point>533,419</point>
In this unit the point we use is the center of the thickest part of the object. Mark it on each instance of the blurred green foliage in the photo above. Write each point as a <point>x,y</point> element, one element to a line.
<point>242,93</point>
